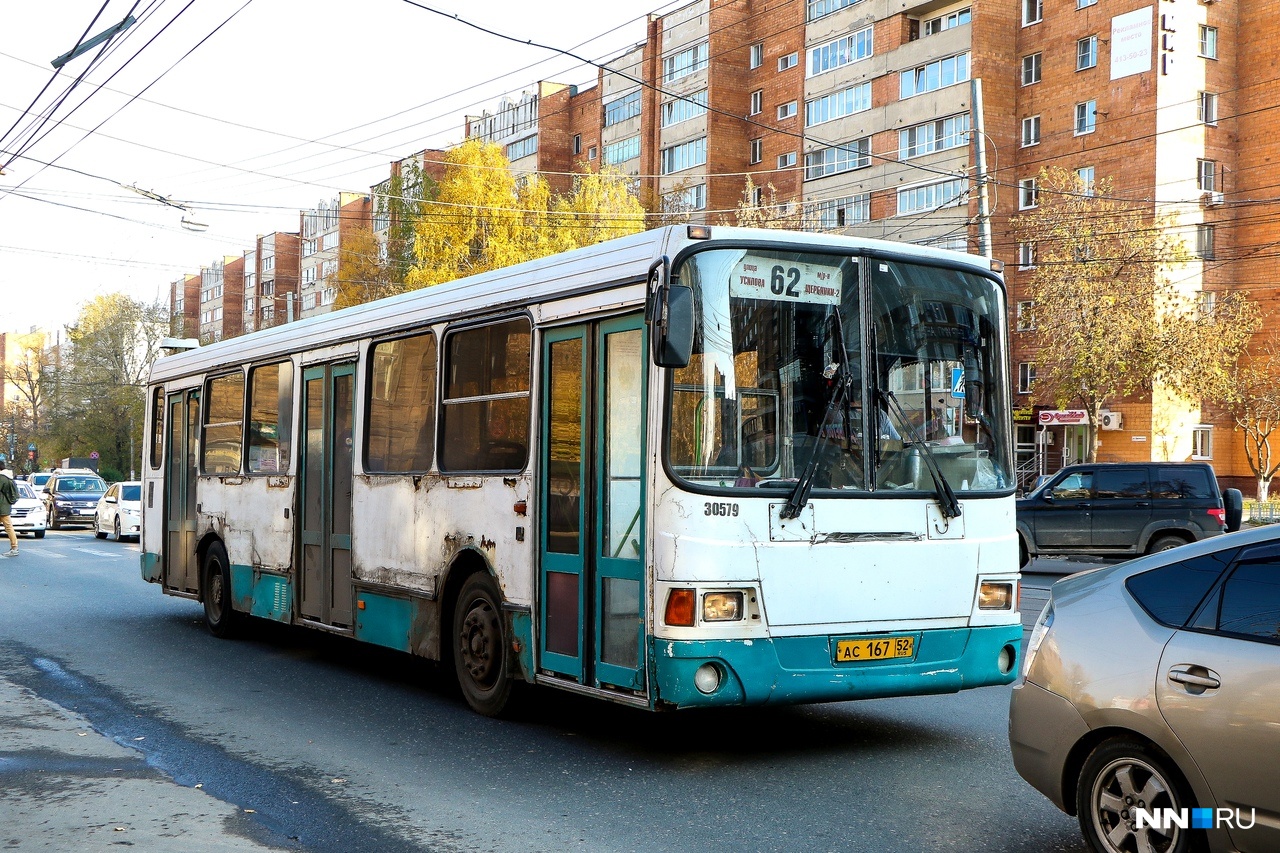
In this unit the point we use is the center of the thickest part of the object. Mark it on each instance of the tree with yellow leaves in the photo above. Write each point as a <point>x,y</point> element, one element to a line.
<point>483,217</point>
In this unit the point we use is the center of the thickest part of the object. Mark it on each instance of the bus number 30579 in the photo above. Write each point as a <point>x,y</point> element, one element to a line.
<point>729,510</point>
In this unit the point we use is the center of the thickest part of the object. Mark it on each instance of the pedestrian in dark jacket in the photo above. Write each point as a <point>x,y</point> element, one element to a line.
<point>8,497</point>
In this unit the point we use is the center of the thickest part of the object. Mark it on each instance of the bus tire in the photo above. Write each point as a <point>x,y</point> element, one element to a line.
<point>480,646</point>
<point>222,620</point>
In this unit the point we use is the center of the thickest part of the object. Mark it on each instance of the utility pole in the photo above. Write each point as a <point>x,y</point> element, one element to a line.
<point>980,141</point>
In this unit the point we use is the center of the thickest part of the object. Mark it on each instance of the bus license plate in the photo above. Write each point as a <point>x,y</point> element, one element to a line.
<point>875,648</point>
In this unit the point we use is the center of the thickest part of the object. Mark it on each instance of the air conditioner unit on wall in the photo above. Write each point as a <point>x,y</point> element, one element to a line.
<point>1111,420</point>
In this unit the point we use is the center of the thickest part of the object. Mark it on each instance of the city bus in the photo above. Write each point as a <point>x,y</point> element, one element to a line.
<point>696,466</point>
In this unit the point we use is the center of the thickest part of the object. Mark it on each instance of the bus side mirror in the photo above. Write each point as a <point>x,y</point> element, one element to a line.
<point>670,316</point>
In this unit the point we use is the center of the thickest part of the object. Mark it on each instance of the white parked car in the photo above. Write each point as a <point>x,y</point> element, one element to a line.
<point>28,514</point>
<point>119,511</point>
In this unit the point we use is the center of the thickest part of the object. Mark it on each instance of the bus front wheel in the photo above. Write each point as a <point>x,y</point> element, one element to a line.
<point>480,646</point>
<point>220,617</point>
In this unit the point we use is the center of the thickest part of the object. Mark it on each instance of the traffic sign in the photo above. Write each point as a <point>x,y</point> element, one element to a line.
<point>957,383</point>
<point>93,455</point>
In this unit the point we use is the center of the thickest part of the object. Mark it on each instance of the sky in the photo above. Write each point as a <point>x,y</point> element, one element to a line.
<point>243,113</point>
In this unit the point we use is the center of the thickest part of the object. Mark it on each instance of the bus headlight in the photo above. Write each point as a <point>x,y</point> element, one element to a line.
<point>707,678</point>
<point>721,606</point>
<point>995,595</point>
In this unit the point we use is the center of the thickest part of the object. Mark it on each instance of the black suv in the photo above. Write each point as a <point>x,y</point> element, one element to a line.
<point>72,497</point>
<point>1124,509</point>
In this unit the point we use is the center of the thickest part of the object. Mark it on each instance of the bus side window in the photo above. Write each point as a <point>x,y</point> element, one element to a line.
<point>270,418</point>
<point>157,427</point>
<point>224,425</point>
<point>485,424</point>
<point>402,405</point>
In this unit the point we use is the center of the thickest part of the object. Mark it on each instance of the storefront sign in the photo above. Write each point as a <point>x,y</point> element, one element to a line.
<point>1064,417</point>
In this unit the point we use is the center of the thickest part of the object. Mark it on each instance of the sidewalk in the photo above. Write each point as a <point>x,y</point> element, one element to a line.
<point>64,787</point>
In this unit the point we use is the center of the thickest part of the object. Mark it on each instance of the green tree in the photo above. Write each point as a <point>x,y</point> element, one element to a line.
<point>100,400</point>
<point>1249,393</point>
<point>1110,317</point>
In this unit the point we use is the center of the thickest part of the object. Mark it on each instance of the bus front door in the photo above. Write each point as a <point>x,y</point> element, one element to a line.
<point>591,575</point>
<point>324,593</point>
<point>181,574</point>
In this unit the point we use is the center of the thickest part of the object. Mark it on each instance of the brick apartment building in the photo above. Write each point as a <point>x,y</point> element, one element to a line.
<point>862,117</point>
<point>323,231</point>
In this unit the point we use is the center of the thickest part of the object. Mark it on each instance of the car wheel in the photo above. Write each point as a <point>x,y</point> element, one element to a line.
<point>116,527</point>
<point>1023,556</point>
<point>1164,543</point>
<point>480,646</point>
<point>1119,777</point>
<point>53,519</point>
<point>39,534</point>
<point>222,620</point>
<point>98,532</point>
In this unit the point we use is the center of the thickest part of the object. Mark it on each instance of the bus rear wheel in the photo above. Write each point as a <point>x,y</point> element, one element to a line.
<point>222,620</point>
<point>480,646</point>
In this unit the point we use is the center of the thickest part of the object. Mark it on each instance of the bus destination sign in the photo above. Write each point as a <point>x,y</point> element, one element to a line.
<point>785,281</point>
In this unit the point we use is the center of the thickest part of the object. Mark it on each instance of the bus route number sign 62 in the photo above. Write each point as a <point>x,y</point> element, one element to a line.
<point>766,278</point>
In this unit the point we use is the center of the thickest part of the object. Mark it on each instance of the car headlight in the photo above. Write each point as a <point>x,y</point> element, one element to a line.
<point>1038,633</point>
<point>721,606</point>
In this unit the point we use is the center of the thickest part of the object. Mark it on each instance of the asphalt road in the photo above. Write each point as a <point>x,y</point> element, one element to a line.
<point>326,745</point>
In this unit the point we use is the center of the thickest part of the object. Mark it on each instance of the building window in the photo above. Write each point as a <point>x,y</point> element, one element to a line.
<point>940,135</point>
<point>1031,69</point>
<point>1026,376</point>
<point>1086,53</point>
<point>577,143</point>
<point>1027,193</point>
<point>1084,4</point>
<point>786,161</point>
<point>1208,303</point>
<point>855,99</point>
<point>308,248</point>
<point>1026,255</point>
<point>686,62</point>
<point>821,8</point>
<point>1032,12</point>
<point>1026,317</point>
<point>841,158</point>
<point>1209,42</point>
<point>843,51</point>
<point>685,108</point>
<point>838,212</point>
<point>621,109</point>
<point>1085,176</point>
<point>677,158</point>
<point>757,103</point>
<point>1086,117</point>
<point>927,197</point>
<point>933,26</point>
<point>1204,243</point>
<point>1202,442</point>
<point>757,56</point>
<point>621,151</point>
<point>591,153</point>
<point>935,75</point>
<point>688,199</point>
<point>787,110</point>
<point>523,148</point>
<point>791,60</point>
<point>1030,131</point>
<point>1208,108</point>
<point>757,151</point>
<point>1207,175</point>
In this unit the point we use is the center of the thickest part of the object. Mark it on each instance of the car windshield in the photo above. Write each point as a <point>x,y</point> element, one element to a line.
<point>795,355</point>
<point>25,491</point>
<point>131,493</point>
<point>81,484</point>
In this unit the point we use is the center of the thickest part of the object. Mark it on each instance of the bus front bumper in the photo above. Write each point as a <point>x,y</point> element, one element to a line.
<point>791,670</point>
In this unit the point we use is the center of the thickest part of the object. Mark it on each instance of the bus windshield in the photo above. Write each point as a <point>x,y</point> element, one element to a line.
<point>855,374</point>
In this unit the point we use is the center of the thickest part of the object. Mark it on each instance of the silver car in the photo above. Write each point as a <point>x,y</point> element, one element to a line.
<point>1150,699</point>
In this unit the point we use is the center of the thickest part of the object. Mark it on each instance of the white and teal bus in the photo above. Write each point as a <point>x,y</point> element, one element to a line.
<point>697,466</point>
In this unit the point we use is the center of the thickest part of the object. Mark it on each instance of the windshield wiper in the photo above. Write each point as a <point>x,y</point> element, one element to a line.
<point>942,489</point>
<point>804,486</point>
